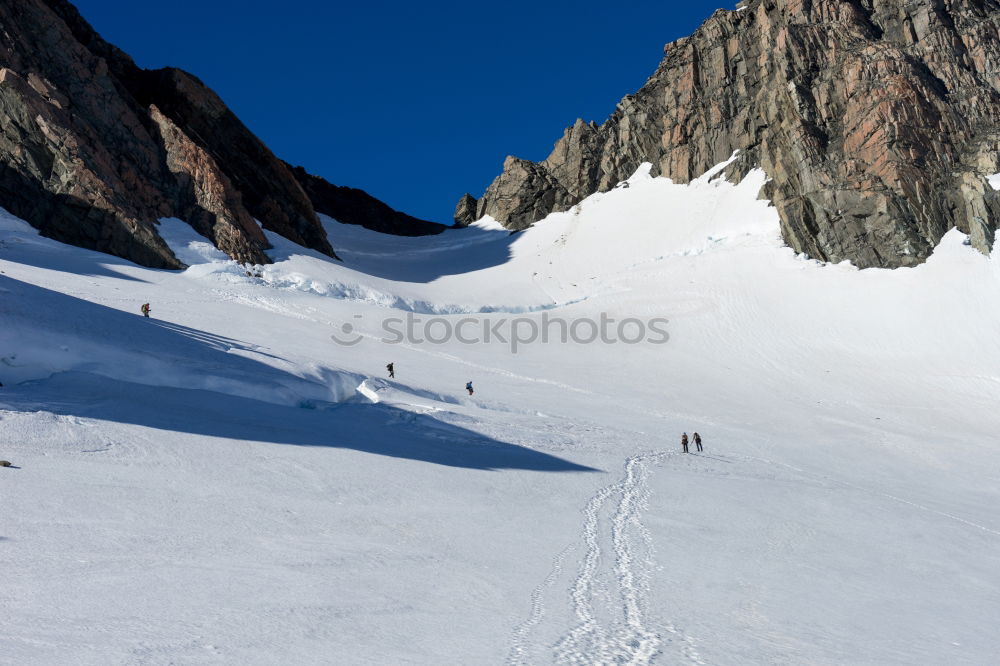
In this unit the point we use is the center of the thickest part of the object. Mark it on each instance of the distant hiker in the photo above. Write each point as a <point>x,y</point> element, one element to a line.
<point>697,441</point>
<point>392,370</point>
<point>145,309</point>
<point>468,387</point>
<point>684,442</point>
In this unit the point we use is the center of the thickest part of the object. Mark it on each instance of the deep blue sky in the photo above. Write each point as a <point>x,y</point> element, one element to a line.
<point>416,103</point>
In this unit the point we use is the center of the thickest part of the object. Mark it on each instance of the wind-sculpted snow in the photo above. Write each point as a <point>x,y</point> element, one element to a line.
<point>297,269</point>
<point>48,333</point>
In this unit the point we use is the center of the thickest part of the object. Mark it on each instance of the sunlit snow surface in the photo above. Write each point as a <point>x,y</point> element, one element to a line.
<point>223,483</point>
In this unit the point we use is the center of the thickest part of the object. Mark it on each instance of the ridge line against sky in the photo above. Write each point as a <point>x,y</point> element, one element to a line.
<point>416,105</point>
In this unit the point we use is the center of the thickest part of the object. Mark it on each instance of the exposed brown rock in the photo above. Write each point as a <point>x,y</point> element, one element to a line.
<point>269,190</point>
<point>214,207</point>
<point>876,121</point>
<point>76,159</point>
<point>465,211</point>
<point>94,150</point>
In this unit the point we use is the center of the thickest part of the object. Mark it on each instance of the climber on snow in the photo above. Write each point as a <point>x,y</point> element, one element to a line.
<point>468,387</point>
<point>684,442</point>
<point>392,370</point>
<point>145,309</point>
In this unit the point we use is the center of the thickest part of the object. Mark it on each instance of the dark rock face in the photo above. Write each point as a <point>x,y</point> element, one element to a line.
<point>876,121</point>
<point>93,150</point>
<point>465,211</point>
<point>207,198</point>
<point>352,206</point>
<point>269,190</point>
<point>76,159</point>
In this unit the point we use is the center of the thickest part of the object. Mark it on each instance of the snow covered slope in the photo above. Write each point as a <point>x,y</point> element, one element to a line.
<point>225,483</point>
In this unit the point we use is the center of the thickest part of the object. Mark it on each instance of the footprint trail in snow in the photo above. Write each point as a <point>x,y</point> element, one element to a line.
<point>619,630</point>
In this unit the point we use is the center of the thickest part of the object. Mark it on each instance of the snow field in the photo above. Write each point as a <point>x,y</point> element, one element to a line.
<point>224,483</point>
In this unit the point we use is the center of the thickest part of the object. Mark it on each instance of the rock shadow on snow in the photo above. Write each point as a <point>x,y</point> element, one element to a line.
<point>175,378</point>
<point>422,259</point>
<point>376,429</point>
<point>46,247</point>
<point>219,342</point>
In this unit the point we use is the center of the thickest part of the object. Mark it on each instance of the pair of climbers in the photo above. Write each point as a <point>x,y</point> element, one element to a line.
<point>684,442</point>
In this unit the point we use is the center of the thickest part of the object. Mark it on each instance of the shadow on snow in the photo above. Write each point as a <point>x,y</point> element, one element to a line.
<point>419,259</point>
<point>377,429</point>
<point>175,378</point>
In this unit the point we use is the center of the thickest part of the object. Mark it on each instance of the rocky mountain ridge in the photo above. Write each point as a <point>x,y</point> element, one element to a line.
<point>877,122</point>
<point>353,206</point>
<point>94,150</point>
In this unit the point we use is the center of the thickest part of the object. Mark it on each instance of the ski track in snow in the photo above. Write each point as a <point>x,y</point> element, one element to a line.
<point>519,648</point>
<point>629,637</point>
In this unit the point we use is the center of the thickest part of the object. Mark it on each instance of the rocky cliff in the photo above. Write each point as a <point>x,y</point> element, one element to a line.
<point>876,121</point>
<point>353,206</point>
<point>94,149</point>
